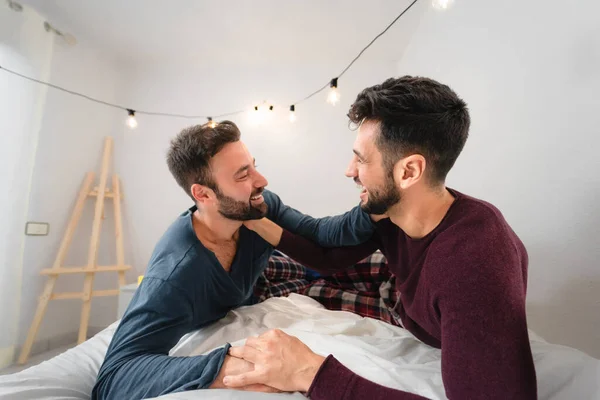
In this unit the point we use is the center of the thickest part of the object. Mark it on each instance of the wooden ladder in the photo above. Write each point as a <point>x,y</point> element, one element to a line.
<point>100,192</point>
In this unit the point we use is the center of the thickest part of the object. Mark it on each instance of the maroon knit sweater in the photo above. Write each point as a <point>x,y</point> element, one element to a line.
<point>462,290</point>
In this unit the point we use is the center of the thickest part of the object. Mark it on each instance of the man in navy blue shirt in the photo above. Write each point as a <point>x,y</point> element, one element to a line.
<point>205,264</point>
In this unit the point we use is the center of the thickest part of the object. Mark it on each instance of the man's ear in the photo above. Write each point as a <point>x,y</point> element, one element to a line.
<point>202,194</point>
<point>409,170</point>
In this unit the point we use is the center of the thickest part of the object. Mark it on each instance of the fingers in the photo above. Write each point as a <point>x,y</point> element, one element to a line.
<point>247,379</point>
<point>245,352</point>
<point>261,344</point>
<point>254,342</point>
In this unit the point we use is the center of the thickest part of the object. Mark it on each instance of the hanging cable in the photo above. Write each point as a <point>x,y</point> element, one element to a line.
<point>227,114</point>
<point>359,54</point>
<point>375,38</point>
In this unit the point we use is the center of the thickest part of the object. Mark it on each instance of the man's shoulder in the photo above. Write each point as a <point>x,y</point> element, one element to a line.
<point>166,262</point>
<point>475,233</point>
<point>474,219</point>
<point>470,208</point>
<point>176,249</point>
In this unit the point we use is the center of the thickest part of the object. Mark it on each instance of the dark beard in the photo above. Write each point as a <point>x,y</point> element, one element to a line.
<point>380,201</point>
<point>240,210</point>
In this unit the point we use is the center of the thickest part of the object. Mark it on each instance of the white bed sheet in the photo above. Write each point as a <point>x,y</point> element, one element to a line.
<point>375,350</point>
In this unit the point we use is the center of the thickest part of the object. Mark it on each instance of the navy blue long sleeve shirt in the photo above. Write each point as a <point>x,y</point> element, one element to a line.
<point>185,288</point>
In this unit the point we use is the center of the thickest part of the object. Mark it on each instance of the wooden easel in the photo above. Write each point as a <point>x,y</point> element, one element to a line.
<point>100,192</point>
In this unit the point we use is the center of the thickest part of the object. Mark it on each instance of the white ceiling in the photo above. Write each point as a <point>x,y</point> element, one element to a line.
<point>234,30</point>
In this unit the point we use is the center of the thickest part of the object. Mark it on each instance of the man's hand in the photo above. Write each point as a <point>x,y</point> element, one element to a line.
<point>236,366</point>
<point>280,361</point>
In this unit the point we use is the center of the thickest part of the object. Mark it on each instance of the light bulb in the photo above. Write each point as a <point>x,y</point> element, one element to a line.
<point>334,95</point>
<point>292,113</point>
<point>131,121</point>
<point>442,4</point>
<point>258,115</point>
<point>211,123</point>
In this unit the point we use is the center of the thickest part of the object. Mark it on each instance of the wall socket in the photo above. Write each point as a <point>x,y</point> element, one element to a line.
<point>37,228</point>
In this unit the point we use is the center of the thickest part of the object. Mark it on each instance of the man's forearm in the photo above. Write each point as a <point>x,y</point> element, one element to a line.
<point>348,229</point>
<point>267,229</point>
<point>335,381</point>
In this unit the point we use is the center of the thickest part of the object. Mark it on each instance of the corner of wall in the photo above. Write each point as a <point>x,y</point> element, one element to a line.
<point>7,355</point>
<point>45,62</point>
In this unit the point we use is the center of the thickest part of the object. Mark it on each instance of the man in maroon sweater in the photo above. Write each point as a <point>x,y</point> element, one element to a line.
<point>460,270</point>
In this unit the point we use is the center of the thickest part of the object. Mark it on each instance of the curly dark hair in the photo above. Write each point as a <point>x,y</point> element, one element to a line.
<point>192,149</point>
<point>415,115</point>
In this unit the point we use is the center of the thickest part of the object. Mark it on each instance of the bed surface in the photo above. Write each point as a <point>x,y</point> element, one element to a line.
<point>375,350</point>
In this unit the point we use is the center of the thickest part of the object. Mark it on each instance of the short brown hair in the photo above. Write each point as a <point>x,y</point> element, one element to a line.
<point>192,149</point>
<point>416,115</point>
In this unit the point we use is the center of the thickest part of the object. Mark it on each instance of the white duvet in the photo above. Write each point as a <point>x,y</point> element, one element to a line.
<point>375,350</point>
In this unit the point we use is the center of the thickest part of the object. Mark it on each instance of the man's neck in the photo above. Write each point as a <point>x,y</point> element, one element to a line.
<point>215,228</point>
<point>421,211</point>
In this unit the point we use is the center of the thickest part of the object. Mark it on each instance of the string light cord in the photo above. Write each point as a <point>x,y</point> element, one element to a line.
<point>375,38</point>
<point>359,54</point>
<point>133,112</point>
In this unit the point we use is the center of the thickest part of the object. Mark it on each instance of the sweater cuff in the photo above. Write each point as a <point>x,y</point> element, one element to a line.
<point>332,381</point>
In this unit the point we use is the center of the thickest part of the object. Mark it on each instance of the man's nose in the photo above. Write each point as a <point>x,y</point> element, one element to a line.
<point>260,181</point>
<point>351,171</point>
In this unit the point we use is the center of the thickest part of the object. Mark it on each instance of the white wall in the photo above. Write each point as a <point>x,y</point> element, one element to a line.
<point>304,162</point>
<point>70,144</point>
<point>25,47</point>
<point>50,140</point>
<point>530,72</point>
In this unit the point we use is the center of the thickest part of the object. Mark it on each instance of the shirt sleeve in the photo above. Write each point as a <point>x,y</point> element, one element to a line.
<point>486,350</point>
<point>137,364</point>
<point>324,260</point>
<point>348,229</point>
<point>336,382</point>
<point>479,272</point>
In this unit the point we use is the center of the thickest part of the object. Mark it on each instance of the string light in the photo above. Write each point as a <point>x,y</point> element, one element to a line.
<point>131,121</point>
<point>442,4</point>
<point>292,113</point>
<point>211,123</point>
<point>334,95</point>
<point>259,115</point>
